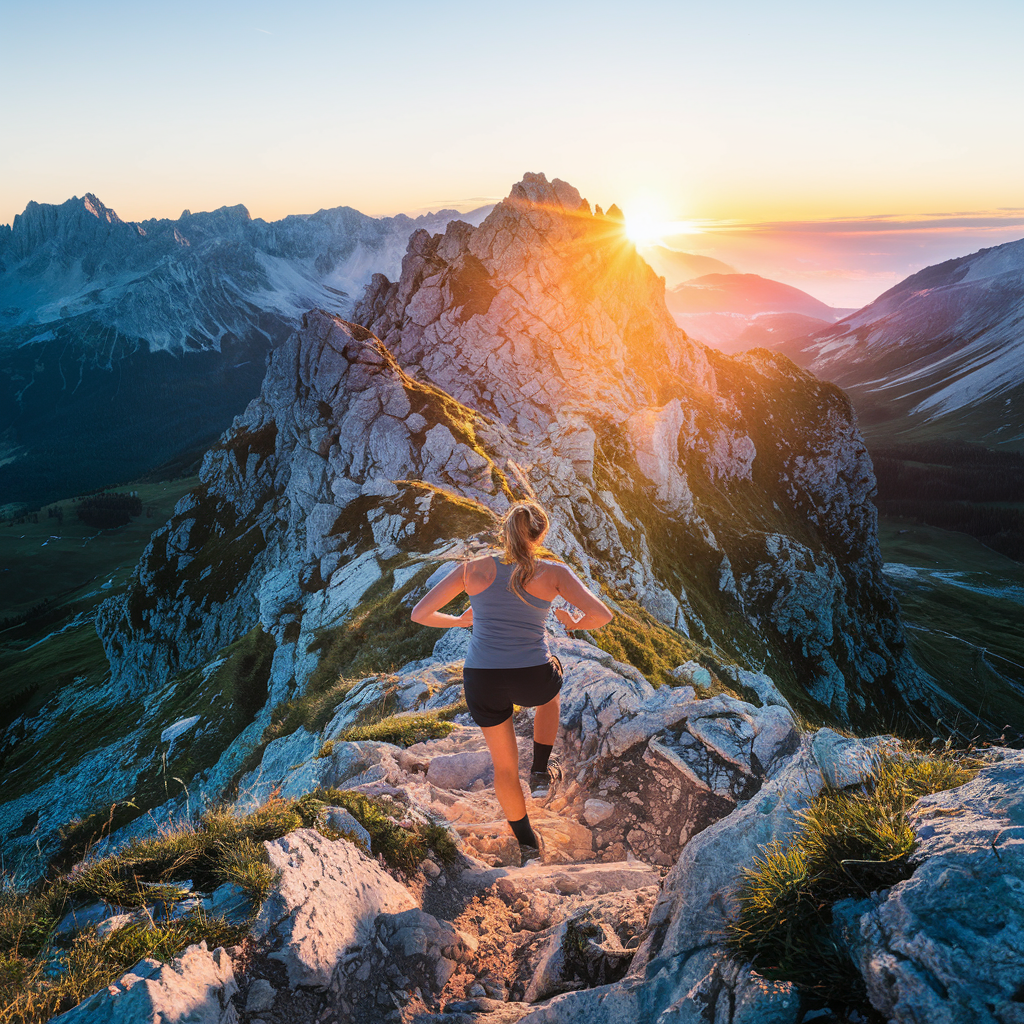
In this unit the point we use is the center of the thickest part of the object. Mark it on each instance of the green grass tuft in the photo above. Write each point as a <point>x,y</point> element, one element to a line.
<point>401,848</point>
<point>402,730</point>
<point>850,843</point>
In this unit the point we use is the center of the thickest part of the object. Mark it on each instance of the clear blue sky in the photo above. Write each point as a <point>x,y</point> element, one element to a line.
<point>748,111</point>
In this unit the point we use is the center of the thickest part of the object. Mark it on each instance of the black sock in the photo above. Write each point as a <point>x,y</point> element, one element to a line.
<point>541,753</point>
<point>523,831</point>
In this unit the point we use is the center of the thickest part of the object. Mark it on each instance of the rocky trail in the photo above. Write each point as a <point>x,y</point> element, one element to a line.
<point>664,799</point>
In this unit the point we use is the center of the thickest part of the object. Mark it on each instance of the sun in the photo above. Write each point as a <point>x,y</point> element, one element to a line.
<point>648,222</point>
<point>643,229</point>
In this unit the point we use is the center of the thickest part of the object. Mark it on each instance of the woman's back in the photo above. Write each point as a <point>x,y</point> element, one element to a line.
<point>509,628</point>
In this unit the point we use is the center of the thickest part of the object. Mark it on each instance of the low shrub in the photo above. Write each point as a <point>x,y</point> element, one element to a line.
<point>850,843</point>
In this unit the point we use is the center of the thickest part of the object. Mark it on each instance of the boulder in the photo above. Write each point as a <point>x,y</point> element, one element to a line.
<point>342,820</point>
<point>194,988</point>
<point>680,972</point>
<point>649,769</point>
<point>326,901</point>
<point>587,948</point>
<point>947,945</point>
<point>230,902</point>
<point>410,951</point>
<point>461,770</point>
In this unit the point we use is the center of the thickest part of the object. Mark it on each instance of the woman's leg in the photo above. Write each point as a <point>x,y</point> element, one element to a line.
<point>545,721</point>
<point>501,742</point>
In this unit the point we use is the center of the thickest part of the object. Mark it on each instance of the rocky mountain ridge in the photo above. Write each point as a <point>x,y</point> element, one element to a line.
<point>720,505</point>
<point>596,932</point>
<point>181,285</point>
<point>721,502</point>
<point>124,344</point>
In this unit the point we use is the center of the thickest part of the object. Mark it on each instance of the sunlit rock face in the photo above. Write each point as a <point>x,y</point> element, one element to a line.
<point>542,311</point>
<point>533,354</point>
<point>742,483</point>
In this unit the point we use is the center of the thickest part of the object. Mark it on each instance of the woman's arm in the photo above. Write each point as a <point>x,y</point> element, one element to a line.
<point>426,611</point>
<point>595,612</point>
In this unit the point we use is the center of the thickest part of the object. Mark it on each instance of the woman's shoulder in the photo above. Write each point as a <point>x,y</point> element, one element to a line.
<point>552,566</point>
<point>481,565</point>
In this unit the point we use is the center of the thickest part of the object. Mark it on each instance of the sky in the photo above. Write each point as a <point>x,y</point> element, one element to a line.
<point>836,147</point>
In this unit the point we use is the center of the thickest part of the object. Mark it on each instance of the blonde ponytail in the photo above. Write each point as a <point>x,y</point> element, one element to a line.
<point>520,530</point>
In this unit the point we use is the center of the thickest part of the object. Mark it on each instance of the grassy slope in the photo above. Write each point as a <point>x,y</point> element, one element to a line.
<point>972,643</point>
<point>76,572</point>
<point>65,561</point>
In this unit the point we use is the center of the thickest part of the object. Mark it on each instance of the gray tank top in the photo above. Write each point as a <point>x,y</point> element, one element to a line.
<point>508,629</point>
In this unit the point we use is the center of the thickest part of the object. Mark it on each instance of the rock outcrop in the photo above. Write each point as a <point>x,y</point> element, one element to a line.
<point>947,945</point>
<point>597,933</point>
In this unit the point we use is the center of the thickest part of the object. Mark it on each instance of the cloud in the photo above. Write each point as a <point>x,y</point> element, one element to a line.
<point>849,261</point>
<point>880,223</point>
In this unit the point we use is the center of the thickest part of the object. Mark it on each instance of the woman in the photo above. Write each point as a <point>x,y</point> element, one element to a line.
<point>508,661</point>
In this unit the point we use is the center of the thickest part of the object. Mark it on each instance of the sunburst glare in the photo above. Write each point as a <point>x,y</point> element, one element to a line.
<point>648,222</point>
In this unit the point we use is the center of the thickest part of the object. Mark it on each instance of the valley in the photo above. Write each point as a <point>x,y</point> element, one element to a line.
<point>963,607</point>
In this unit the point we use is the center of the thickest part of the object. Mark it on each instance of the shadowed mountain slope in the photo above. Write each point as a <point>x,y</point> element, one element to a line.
<point>124,344</point>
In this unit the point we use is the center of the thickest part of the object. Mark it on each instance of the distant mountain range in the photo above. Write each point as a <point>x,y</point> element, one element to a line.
<point>939,355</point>
<point>123,344</point>
<point>677,267</point>
<point>734,312</point>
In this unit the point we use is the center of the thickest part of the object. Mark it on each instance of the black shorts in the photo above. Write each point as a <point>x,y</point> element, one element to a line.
<point>491,692</point>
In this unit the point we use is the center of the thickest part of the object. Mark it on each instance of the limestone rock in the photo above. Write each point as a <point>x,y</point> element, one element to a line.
<point>325,902</point>
<point>648,769</point>
<point>532,354</point>
<point>261,996</point>
<point>342,820</point>
<point>586,949</point>
<point>460,771</point>
<point>947,944</point>
<point>410,951</point>
<point>195,987</point>
<point>230,902</point>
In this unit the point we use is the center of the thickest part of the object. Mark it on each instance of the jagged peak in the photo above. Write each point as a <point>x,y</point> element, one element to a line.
<point>239,212</point>
<point>98,209</point>
<point>538,191</point>
<point>543,299</point>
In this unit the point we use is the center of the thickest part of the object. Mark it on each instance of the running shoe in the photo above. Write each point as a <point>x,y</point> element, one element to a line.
<point>540,782</point>
<point>530,854</point>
